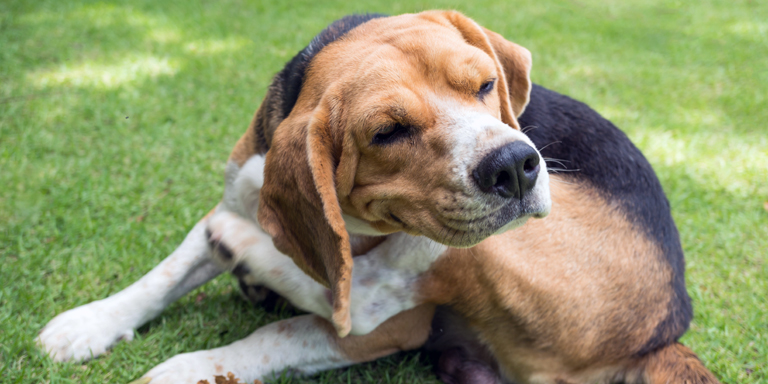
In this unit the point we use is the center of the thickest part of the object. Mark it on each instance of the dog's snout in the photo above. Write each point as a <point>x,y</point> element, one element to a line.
<point>509,171</point>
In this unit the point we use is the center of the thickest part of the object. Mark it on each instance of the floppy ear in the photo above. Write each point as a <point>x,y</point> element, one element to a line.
<point>513,64</point>
<point>299,206</point>
<point>516,62</point>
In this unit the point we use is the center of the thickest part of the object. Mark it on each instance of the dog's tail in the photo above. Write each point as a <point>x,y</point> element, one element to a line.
<point>675,364</point>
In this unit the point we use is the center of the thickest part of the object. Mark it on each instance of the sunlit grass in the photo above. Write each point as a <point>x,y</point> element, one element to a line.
<point>104,76</point>
<point>116,119</point>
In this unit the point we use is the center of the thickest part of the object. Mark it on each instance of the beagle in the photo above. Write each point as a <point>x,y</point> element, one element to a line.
<point>385,186</point>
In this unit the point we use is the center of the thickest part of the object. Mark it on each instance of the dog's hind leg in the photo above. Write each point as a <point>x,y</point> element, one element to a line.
<point>89,330</point>
<point>302,345</point>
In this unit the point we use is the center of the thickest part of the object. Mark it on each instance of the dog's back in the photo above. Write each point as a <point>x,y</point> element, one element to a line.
<point>590,150</point>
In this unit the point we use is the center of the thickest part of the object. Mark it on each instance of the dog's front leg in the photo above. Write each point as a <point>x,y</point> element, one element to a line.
<point>303,345</point>
<point>89,330</point>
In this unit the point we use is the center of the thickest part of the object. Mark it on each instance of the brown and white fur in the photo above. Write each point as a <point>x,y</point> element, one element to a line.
<point>372,142</point>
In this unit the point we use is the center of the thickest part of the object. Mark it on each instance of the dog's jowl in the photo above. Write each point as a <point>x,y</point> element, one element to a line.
<point>386,187</point>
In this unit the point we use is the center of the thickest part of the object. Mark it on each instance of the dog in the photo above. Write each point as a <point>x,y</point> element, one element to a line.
<point>385,186</point>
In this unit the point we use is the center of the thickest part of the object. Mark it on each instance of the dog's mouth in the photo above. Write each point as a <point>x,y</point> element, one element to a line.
<point>463,233</point>
<point>461,215</point>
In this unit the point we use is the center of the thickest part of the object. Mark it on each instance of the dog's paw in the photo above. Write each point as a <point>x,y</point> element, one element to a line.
<point>229,235</point>
<point>83,333</point>
<point>192,368</point>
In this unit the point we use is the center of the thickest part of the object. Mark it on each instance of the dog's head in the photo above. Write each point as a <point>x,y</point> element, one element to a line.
<point>405,123</point>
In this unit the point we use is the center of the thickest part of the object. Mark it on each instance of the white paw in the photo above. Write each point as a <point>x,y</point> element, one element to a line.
<point>83,332</point>
<point>190,368</point>
<point>231,237</point>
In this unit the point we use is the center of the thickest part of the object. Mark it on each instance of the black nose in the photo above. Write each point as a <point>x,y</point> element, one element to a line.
<point>509,171</point>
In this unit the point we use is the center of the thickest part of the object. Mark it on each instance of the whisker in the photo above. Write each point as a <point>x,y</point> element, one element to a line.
<point>554,142</point>
<point>443,236</point>
<point>435,244</point>
<point>455,232</point>
<point>528,128</point>
<point>472,253</point>
<point>555,161</point>
<point>440,235</point>
<point>562,170</point>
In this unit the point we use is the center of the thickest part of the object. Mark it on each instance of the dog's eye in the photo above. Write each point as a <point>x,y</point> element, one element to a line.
<point>390,134</point>
<point>485,89</point>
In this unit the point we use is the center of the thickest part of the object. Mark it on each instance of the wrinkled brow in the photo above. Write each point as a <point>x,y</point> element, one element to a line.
<point>376,117</point>
<point>467,75</point>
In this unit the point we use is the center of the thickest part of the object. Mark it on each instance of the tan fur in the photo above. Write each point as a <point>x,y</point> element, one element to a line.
<point>666,365</point>
<point>404,331</point>
<point>244,148</point>
<point>513,63</point>
<point>539,294</point>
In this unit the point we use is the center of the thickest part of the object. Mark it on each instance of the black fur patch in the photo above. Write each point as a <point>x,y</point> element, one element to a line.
<point>292,76</point>
<point>602,155</point>
<point>284,90</point>
<point>241,270</point>
<point>261,296</point>
<point>218,249</point>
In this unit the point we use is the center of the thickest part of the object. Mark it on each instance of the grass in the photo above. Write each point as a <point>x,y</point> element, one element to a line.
<point>116,119</point>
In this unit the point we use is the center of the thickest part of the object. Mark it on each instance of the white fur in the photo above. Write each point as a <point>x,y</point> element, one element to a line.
<point>243,185</point>
<point>474,135</point>
<point>383,279</point>
<point>298,343</point>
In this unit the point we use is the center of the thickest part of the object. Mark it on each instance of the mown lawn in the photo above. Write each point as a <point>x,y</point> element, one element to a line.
<point>116,119</point>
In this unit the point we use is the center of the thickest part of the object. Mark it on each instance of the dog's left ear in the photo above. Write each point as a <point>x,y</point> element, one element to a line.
<point>299,206</point>
<point>513,64</point>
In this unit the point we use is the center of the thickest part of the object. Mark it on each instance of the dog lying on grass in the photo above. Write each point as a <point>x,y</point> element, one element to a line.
<point>378,187</point>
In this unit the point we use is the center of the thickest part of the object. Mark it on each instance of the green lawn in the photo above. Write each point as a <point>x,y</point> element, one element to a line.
<point>116,119</point>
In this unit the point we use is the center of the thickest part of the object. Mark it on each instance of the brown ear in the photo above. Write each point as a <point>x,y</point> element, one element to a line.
<point>516,62</point>
<point>513,63</point>
<point>299,206</point>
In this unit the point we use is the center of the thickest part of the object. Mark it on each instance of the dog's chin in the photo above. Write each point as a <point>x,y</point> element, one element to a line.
<point>512,216</point>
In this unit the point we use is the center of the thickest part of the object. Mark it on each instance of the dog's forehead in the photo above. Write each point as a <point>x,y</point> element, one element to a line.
<point>407,51</point>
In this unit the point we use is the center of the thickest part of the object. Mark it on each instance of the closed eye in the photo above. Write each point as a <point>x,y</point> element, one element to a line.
<point>485,89</point>
<point>390,134</point>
